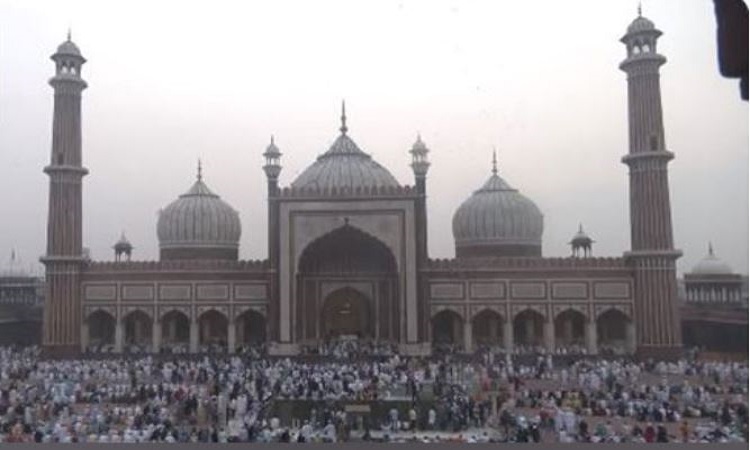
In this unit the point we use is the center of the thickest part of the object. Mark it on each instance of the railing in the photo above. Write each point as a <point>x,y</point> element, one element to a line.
<point>171,265</point>
<point>527,263</point>
<point>347,192</point>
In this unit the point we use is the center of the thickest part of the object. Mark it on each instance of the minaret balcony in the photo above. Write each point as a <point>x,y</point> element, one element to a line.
<point>68,79</point>
<point>647,155</point>
<point>66,169</point>
<point>642,59</point>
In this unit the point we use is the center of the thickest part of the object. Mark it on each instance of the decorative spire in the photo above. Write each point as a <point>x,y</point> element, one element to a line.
<point>418,148</point>
<point>272,168</point>
<point>343,128</point>
<point>200,170</point>
<point>710,249</point>
<point>69,34</point>
<point>639,9</point>
<point>494,161</point>
<point>271,150</point>
<point>580,228</point>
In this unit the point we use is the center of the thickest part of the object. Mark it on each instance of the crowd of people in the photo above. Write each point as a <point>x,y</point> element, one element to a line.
<point>350,347</point>
<point>488,398</point>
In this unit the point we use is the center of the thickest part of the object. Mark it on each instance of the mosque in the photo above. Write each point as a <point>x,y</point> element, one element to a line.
<point>348,254</point>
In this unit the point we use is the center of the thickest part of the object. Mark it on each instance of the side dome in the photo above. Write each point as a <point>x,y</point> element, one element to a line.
<point>711,265</point>
<point>497,220</point>
<point>344,166</point>
<point>198,225</point>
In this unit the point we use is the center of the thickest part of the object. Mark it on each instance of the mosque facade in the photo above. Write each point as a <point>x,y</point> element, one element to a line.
<point>21,303</point>
<point>348,254</point>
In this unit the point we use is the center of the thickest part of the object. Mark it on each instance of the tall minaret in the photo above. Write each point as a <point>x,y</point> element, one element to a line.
<point>420,165</point>
<point>64,258</point>
<point>273,169</point>
<point>652,254</point>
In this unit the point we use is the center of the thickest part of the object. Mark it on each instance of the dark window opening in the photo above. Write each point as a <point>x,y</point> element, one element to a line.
<point>654,142</point>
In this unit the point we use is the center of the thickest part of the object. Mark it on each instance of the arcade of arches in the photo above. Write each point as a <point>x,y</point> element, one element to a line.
<point>529,328</point>
<point>347,285</point>
<point>175,329</point>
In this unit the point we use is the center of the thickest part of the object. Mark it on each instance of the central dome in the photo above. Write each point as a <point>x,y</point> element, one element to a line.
<point>498,221</point>
<point>199,225</point>
<point>344,165</point>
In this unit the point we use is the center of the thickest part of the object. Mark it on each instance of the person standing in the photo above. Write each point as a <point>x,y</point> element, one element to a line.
<point>661,434</point>
<point>394,419</point>
<point>650,433</point>
<point>431,417</point>
<point>685,431</point>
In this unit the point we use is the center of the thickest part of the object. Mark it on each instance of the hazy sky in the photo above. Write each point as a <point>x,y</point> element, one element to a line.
<point>170,82</point>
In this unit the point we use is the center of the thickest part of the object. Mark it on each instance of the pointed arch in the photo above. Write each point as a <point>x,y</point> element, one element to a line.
<point>324,284</point>
<point>447,327</point>
<point>347,249</point>
<point>213,328</point>
<point>101,327</point>
<point>138,328</point>
<point>250,327</point>
<point>487,327</point>
<point>528,327</point>
<point>175,328</point>
<point>570,328</point>
<point>613,328</point>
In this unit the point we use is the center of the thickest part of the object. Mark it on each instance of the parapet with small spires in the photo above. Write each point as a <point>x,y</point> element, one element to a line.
<point>369,192</point>
<point>178,265</point>
<point>520,263</point>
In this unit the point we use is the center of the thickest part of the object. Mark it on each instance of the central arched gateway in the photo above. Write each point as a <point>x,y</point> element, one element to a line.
<point>347,284</point>
<point>346,312</point>
<point>101,327</point>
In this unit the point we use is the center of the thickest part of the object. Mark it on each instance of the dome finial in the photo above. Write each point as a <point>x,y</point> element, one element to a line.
<point>343,128</point>
<point>200,170</point>
<point>494,161</point>
<point>710,249</point>
<point>69,34</point>
<point>639,9</point>
<point>580,227</point>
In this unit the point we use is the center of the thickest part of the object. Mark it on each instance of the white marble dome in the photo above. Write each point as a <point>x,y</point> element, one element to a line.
<point>344,165</point>
<point>497,220</point>
<point>199,225</point>
<point>711,265</point>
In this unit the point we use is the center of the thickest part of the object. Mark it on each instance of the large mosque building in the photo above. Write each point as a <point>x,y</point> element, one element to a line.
<point>348,254</point>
